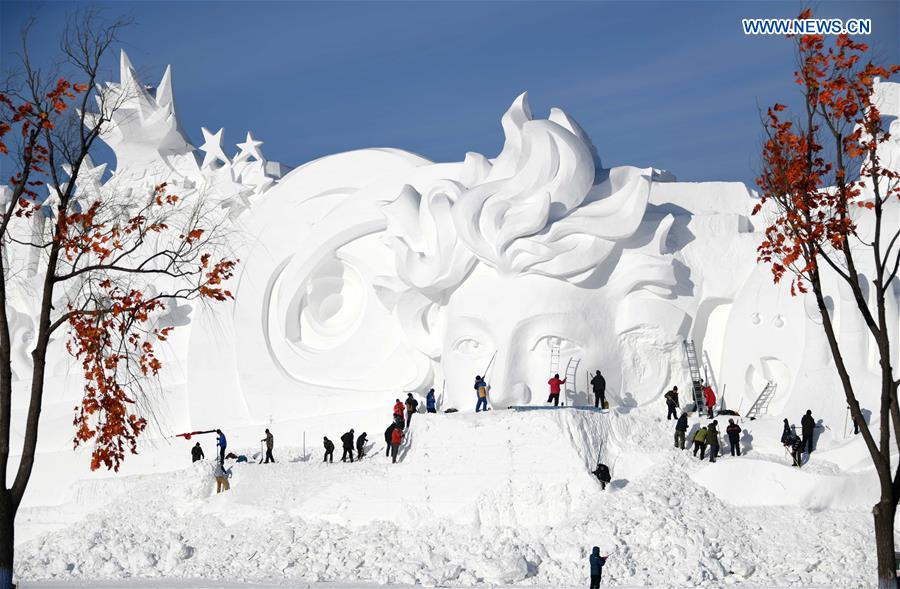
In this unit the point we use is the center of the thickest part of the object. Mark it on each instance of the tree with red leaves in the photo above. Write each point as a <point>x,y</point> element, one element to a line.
<point>828,197</point>
<point>104,264</point>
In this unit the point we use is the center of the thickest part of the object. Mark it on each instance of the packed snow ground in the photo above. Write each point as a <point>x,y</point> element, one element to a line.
<point>497,498</point>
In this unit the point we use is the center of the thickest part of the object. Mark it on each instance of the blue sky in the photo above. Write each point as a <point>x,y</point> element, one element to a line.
<point>673,85</point>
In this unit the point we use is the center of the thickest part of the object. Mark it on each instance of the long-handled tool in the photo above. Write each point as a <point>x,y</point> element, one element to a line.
<point>484,376</point>
<point>187,436</point>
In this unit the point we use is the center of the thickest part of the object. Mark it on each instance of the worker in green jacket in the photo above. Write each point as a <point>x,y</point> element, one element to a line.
<point>712,440</point>
<point>700,442</point>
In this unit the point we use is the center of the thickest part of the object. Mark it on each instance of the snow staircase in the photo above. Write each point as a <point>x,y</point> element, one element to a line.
<point>761,405</point>
<point>690,353</point>
<point>571,376</point>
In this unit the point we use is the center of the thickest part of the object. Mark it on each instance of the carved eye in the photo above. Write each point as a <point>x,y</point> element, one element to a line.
<point>548,342</point>
<point>469,346</point>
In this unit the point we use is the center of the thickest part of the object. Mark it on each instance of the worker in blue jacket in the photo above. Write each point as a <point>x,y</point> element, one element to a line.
<point>597,563</point>
<point>481,390</point>
<point>430,404</point>
<point>221,443</point>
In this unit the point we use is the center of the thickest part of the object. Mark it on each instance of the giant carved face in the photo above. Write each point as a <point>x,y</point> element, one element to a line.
<point>518,321</point>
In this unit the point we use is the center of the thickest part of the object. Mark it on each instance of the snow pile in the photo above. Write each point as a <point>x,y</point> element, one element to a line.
<point>502,497</point>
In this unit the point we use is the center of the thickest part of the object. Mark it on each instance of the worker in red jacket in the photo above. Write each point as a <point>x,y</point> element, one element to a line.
<point>396,438</point>
<point>710,398</point>
<point>398,412</point>
<point>555,385</point>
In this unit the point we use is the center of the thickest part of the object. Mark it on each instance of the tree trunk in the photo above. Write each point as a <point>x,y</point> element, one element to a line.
<point>7,532</point>
<point>884,512</point>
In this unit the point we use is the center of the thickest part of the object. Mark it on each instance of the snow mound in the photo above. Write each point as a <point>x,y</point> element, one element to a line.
<point>757,482</point>
<point>503,497</point>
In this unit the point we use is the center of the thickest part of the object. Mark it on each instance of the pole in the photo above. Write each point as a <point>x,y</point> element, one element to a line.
<point>587,385</point>
<point>484,376</point>
<point>304,445</point>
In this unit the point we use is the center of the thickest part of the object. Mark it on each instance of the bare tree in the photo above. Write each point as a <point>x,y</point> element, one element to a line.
<point>830,220</point>
<point>103,262</point>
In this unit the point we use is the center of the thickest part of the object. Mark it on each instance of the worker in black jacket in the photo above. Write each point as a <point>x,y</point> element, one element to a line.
<point>598,384</point>
<point>347,441</point>
<point>807,425</point>
<point>329,449</point>
<point>387,438</point>
<point>361,445</point>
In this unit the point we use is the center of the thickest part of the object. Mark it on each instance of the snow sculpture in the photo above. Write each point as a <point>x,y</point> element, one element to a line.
<point>377,271</point>
<point>151,147</point>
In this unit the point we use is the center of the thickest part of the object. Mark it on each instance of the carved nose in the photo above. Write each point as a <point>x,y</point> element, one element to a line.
<point>505,393</point>
<point>507,387</point>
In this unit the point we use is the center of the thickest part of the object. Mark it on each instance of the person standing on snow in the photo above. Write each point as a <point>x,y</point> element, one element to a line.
<point>603,475</point>
<point>347,441</point>
<point>222,475</point>
<point>221,443</point>
<point>787,434</point>
<point>329,449</point>
<point>671,398</point>
<point>734,431</point>
<point>796,446</point>
<point>712,439</point>
<point>396,439</point>
<point>712,436</point>
<point>430,404</point>
<point>807,425</point>
<point>481,391</point>
<point>681,427</point>
<point>555,386</point>
<point>398,411</point>
<point>700,442</point>
<point>196,453</point>
<point>710,398</point>
<point>412,405</point>
<point>361,445</point>
<point>388,433</point>
<point>597,563</point>
<point>598,384</point>
<point>270,443</point>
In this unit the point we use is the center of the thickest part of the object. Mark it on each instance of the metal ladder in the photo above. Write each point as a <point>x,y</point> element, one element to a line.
<point>571,375</point>
<point>554,356</point>
<point>696,381</point>
<point>761,405</point>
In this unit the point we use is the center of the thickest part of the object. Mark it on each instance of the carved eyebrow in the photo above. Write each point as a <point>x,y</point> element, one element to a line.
<point>475,318</point>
